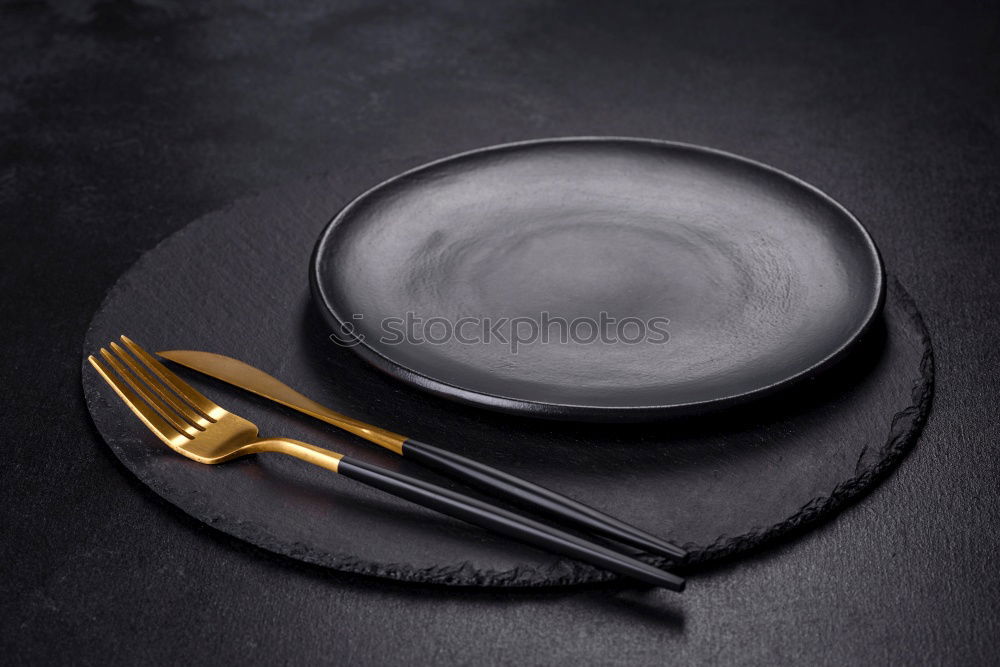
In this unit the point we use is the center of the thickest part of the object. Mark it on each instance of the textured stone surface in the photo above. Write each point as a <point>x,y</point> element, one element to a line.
<point>719,485</point>
<point>122,122</point>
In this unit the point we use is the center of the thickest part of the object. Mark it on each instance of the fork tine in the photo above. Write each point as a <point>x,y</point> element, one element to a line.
<point>182,388</point>
<point>179,406</point>
<point>151,398</point>
<point>142,410</point>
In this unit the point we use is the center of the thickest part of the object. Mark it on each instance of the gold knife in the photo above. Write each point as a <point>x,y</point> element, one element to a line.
<point>493,481</point>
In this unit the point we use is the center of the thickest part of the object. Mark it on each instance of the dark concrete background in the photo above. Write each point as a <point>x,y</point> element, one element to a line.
<point>122,121</point>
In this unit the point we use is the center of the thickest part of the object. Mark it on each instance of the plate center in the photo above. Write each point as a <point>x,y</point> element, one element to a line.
<point>583,268</point>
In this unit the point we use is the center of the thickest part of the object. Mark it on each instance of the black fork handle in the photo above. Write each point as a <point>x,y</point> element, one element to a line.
<point>537,498</point>
<point>507,523</point>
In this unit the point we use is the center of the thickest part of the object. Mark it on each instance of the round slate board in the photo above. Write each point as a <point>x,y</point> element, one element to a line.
<point>235,282</point>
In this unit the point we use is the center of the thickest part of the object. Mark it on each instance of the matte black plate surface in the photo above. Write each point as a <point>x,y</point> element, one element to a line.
<point>669,278</point>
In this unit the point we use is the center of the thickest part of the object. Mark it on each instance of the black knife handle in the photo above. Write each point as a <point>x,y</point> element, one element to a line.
<point>507,523</point>
<point>536,498</point>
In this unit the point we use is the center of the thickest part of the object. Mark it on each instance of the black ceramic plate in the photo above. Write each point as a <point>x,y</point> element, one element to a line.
<point>668,278</point>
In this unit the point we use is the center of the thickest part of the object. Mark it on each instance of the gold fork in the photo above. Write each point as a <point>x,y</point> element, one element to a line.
<point>197,428</point>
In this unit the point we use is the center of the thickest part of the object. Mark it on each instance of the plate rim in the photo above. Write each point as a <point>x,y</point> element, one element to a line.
<point>570,411</point>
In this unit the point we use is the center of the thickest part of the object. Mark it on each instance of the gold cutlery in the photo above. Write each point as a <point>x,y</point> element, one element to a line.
<point>195,427</point>
<point>485,478</point>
